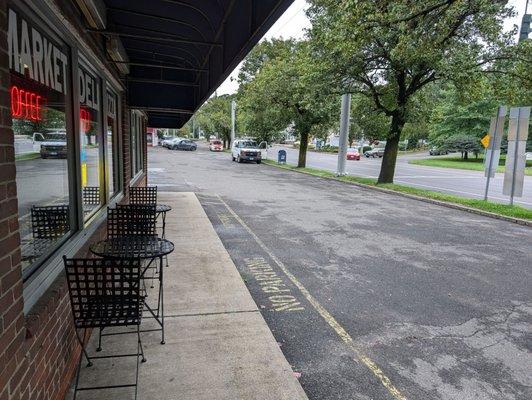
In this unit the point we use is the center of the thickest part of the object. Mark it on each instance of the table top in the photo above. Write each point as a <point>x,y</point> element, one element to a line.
<point>133,246</point>
<point>160,208</point>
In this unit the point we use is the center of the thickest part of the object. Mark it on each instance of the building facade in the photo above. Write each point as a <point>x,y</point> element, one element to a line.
<point>69,147</point>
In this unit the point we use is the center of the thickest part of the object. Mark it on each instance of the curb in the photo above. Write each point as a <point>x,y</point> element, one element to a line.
<point>460,207</point>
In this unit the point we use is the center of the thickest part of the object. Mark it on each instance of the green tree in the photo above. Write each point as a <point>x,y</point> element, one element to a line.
<point>390,50</point>
<point>214,117</point>
<point>465,144</point>
<point>290,89</point>
<point>366,121</point>
<point>265,51</point>
<point>456,117</point>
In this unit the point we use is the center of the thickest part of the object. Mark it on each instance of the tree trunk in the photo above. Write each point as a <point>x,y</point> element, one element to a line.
<point>465,155</point>
<point>390,151</point>
<point>303,144</point>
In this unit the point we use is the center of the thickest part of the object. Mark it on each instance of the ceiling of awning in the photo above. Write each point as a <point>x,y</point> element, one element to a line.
<point>180,51</point>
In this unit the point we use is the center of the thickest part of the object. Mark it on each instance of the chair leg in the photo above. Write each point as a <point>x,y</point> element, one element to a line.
<point>99,348</point>
<point>82,343</point>
<point>161,296</point>
<point>143,359</point>
<point>140,351</point>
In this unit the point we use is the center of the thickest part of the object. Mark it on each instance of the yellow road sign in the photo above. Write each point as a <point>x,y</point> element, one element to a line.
<point>485,141</point>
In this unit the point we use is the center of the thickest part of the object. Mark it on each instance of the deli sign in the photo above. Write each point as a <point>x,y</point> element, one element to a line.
<point>34,55</point>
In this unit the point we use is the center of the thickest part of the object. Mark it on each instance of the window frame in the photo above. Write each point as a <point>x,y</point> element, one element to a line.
<point>42,23</point>
<point>45,271</point>
<point>117,146</point>
<point>136,162</point>
<point>84,63</point>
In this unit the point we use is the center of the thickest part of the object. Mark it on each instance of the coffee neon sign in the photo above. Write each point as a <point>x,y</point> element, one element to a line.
<point>85,119</point>
<point>26,104</point>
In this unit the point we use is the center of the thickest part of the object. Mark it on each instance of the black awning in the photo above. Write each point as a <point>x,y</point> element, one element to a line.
<point>180,51</point>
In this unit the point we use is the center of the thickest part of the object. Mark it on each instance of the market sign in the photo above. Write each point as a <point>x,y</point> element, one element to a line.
<point>34,55</point>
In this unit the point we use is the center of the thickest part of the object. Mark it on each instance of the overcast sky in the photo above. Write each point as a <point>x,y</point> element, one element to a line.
<point>294,21</point>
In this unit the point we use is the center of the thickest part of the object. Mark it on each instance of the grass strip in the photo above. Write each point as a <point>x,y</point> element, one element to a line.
<point>27,156</point>
<point>472,164</point>
<point>495,208</point>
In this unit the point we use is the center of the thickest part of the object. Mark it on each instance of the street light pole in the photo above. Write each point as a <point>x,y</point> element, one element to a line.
<point>525,24</point>
<point>233,117</point>
<point>344,133</point>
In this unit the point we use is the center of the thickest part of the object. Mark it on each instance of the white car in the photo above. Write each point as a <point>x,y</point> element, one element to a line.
<point>169,141</point>
<point>245,150</point>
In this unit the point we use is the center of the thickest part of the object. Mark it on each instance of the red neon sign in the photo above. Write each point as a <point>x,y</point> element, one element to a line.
<point>25,104</point>
<point>85,119</point>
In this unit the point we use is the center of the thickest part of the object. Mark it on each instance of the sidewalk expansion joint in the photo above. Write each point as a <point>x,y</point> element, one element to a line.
<point>208,314</point>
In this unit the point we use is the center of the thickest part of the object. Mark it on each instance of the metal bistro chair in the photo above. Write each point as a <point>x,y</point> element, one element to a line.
<point>135,220</point>
<point>131,220</point>
<point>48,225</point>
<point>143,195</point>
<point>147,195</point>
<point>105,293</point>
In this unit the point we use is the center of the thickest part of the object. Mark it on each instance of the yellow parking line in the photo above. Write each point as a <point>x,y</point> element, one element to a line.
<point>346,338</point>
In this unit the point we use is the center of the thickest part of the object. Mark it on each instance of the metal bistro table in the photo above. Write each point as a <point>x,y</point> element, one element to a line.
<point>162,209</point>
<point>143,247</point>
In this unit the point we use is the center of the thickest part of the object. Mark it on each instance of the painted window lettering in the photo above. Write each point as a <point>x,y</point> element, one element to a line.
<point>35,55</point>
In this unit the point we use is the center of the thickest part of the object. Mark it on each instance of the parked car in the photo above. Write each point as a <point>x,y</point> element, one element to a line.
<point>168,140</point>
<point>246,150</point>
<point>353,154</point>
<point>51,143</point>
<point>437,151</point>
<point>377,152</point>
<point>184,144</point>
<point>216,145</point>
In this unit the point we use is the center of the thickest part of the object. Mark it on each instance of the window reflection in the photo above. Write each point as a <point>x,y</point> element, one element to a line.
<point>91,141</point>
<point>38,110</point>
<point>111,140</point>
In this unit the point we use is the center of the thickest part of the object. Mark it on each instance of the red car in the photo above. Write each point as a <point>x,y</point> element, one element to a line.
<point>353,154</point>
<point>216,145</point>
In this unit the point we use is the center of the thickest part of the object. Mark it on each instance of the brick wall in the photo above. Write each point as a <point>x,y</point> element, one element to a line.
<point>38,351</point>
<point>13,366</point>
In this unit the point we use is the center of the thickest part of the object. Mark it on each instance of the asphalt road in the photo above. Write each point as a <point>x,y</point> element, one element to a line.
<point>370,295</point>
<point>453,181</point>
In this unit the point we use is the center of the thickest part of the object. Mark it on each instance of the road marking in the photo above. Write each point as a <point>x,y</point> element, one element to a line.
<point>340,331</point>
<point>225,219</point>
<point>272,285</point>
<point>439,189</point>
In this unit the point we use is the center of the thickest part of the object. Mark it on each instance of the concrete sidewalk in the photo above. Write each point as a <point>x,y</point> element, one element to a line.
<point>218,346</point>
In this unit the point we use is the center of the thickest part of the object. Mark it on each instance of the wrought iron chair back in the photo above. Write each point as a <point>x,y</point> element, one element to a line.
<point>50,222</point>
<point>143,195</point>
<point>131,220</point>
<point>91,195</point>
<point>104,292</point>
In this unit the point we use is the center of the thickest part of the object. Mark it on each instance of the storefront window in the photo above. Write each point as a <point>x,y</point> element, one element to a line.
<point>91,141</point>
<point>39,65</point>
<point>133,135</point>
<point>112,143</point>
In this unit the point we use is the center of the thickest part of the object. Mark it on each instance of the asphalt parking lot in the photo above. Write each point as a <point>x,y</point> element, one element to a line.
<point>370,295</point>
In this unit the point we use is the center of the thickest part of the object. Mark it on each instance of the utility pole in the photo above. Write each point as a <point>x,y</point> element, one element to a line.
<point>233,118</point>
<point>344,133</point>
